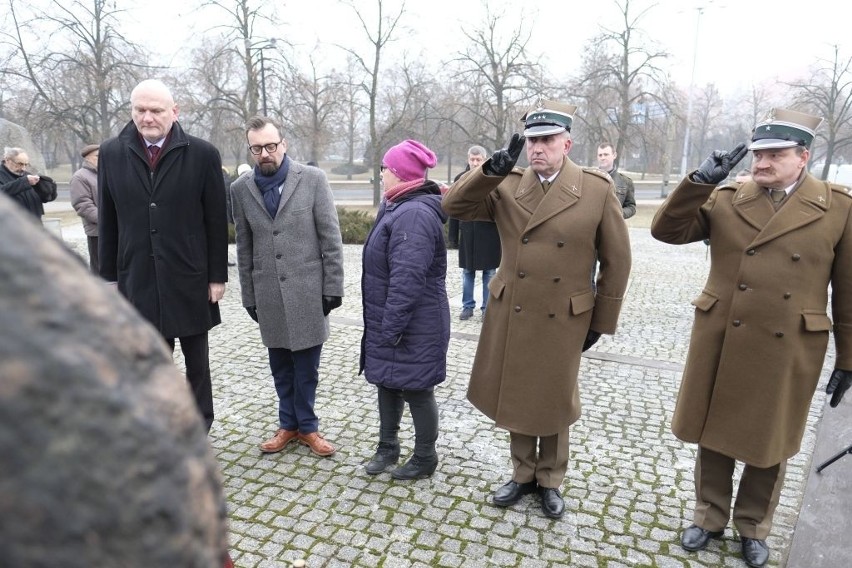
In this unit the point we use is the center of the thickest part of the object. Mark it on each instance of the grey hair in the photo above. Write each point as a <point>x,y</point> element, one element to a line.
<point>9,153</point>
<point>477,151</point>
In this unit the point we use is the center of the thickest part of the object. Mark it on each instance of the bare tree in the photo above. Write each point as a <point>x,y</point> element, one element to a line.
<point>504,78</point>
<point>626,71</point>
<point>313,95</point>
<point>74,61</point>
<point>828,92</point>
<point>379,34</point>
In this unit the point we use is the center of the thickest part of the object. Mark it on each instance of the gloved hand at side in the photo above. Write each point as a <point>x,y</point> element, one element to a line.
<point>837,386</point>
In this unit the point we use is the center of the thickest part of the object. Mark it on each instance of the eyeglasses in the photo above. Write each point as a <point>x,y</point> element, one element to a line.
<point>270,148</point>
<point>22,164</point>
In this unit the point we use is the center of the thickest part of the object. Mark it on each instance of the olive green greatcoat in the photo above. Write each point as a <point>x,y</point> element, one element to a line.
<point>542,302</point>
<point>761,327</point>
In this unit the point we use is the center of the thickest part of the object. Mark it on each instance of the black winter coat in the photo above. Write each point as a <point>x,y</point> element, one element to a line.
<point>478,241</point>
<point>163,232</point>
<point>30,197</point>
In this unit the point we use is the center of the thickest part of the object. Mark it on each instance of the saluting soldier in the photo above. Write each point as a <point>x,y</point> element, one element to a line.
<point>554,219</point>
<point>761,327</point>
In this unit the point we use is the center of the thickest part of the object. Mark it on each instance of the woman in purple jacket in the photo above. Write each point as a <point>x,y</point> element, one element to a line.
<point>406,311</point>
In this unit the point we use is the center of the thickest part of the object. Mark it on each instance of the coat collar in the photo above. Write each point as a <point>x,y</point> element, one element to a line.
<point>564,192</point>
<point>806,204</point>
<point>129,136</point>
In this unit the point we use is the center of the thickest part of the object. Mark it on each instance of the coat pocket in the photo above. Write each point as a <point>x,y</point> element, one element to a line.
<point>705,301</point>
<point>496,286</point>
<point>582,303</point>
<point>816,321</point>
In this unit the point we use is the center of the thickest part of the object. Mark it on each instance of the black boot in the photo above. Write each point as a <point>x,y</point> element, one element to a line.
<point>386,455</point>
<point>416,468</point>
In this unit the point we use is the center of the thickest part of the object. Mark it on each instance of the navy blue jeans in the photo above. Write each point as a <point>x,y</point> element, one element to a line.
<point>296,374</point>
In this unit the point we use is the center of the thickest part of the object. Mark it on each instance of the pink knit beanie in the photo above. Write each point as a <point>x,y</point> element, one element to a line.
<point>409,160</point>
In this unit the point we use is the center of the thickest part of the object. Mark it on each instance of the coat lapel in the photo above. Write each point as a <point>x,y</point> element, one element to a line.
<point>293,177</point>
<point>751,204</point>
<point>564,193</point>
<point>805,205</point>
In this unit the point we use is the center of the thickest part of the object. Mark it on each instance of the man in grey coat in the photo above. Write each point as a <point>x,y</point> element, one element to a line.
<point>290,257</point>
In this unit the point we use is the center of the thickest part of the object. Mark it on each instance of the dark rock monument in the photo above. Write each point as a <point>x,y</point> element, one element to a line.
<point>104,461</point>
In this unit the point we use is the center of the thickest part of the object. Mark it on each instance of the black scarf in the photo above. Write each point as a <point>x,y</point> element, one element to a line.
<point>268,185</point>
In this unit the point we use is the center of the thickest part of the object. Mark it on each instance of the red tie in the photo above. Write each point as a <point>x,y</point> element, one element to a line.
<point>154,152</point>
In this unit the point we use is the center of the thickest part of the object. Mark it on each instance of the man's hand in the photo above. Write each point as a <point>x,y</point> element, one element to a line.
<point>215,291</point>
<point>329,303</point>
<point>718,165</point>
<point>33,180</point>
<point>252,312</point>
<point>592,337</point>
<point>503,160</point>
<point>838,384</point>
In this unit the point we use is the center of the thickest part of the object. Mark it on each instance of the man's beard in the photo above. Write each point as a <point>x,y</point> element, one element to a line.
<point>268,168</point>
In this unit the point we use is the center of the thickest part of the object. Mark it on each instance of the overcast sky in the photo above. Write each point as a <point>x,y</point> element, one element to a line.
<point>739,42</point>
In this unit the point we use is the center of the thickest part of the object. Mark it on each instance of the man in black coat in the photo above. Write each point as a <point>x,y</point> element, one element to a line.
<point>28,190</point>
<point>163,228</point>
<point>479,246</point>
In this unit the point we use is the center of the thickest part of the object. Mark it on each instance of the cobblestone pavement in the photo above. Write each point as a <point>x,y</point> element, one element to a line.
<point>628,490</point>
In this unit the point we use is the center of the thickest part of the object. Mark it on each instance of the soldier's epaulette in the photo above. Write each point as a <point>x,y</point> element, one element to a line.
<point>598,173</point>
<point>517,170</point>
<point>842,189</point>
<point>731,185</point>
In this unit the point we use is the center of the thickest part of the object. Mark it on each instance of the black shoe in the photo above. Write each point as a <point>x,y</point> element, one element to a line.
<point>386,455</point>
<point>755,552</point>
<point>416,468</point>
<point>511,492</point>
<point>695,538</point>
<point>552,504</point>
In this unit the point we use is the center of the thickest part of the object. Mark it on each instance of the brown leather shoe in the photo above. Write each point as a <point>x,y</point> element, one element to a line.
<point>277,442</point>
<point>317,444</point>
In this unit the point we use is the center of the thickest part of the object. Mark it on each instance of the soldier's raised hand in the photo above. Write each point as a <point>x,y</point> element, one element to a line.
<point>838,384</point>
<point>718,165</point>
<point>503,160</point>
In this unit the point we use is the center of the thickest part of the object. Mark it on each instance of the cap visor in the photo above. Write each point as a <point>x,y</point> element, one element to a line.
<point>767,143</point>
<point>544,130</point>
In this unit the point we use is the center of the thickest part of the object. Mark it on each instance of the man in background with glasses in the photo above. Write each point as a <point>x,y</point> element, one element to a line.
<point>290,258</point>
<point>163,229</point>
<point>28,190</point>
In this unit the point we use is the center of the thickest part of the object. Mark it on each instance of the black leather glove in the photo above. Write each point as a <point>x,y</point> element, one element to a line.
<point>503,160</point>
<point>717,167</point>
<point>838,384</point>
<point>252,312</point>
<point>592,337</point>
<point>329,303</point>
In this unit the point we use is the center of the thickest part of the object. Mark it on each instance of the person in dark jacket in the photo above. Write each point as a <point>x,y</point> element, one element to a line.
<point>163,230</point>
<point>406,310</point>
<point>479,246</point>
<point>84,199</point>
<point>28,190</point>
<point>623,184</point>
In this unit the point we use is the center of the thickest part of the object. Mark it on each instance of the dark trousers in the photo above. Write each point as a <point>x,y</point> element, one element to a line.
<point>94,265</point>
<point>196,355</point>
<point>757,495</point>
<point>424,414</point>
<point>541,459</point>
<point>296,375</point>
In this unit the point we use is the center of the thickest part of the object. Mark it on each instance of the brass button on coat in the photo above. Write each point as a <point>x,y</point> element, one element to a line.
<point>787,295</point>
<point>737,323</point>
<point>779,334</point>
<point>751,252</point>
<point>796,257</point>
<point>522,274</point>
<point>743,287</point>
<point>517,308</point>
<point>560,244</point>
